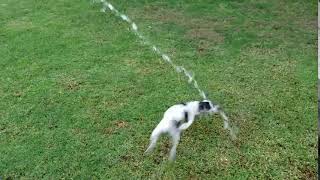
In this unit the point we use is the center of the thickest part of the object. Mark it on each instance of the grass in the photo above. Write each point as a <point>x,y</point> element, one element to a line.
<point>80,95</point>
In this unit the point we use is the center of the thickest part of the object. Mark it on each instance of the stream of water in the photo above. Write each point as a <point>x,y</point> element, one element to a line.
<point>180,69</point>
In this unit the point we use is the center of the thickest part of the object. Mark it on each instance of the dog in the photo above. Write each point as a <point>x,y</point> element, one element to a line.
<point>178,118</point>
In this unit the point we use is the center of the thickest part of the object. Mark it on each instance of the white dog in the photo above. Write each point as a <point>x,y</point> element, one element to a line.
<point>178,118</point>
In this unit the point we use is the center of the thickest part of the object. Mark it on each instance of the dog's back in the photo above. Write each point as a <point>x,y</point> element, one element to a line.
<point>179,112</point>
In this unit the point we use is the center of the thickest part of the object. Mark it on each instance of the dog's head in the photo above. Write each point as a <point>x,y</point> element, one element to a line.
<point>207,106</point>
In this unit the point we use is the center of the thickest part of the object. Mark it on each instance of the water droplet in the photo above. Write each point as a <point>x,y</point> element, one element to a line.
<point>134,26</point>
<point>166,58</point>
<point>125,18</point>
<point>154,48</point>
<point>109,6</point>
<point>178,69</point>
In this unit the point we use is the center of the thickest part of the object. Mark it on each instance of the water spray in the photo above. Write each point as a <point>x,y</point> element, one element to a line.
<point>165,58</point>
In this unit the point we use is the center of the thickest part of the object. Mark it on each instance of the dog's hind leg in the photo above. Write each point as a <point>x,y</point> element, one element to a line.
<point>175,141</point>
<point>153,140</point>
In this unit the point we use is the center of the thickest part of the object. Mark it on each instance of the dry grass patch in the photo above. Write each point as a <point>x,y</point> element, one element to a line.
<point>19,24</point>
<point>202,30</point>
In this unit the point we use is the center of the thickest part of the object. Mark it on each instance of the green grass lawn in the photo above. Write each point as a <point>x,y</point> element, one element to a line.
<point>80,94</point>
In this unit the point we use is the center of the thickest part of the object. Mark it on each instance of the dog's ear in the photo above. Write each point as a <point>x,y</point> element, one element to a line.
<point>201,107</point>
<point>204,106</point>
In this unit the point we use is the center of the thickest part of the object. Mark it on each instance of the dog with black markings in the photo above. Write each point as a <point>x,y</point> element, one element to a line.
<point>179,117</point>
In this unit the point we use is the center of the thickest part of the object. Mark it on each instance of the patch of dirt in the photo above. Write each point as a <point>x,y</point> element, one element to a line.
<point>69,83</point>
<point>113,104</point>
<point>193,177</point>
<point>144,71</point>
<point>207,35</point>
<point>152,12</point>
<point>121,124</point>
<point>18,94</point>
<point>108,130</point>
<point>131,62</point>
<point>283,69</point>
<point>200,30</point>
<point>224,161</point>
<point>19,25</point>
<point>8,178</point>
<point>307,172</point>
<point>116,126</point>
<point>126,158</point>
<point>313,23</point>
<point>73,85</point>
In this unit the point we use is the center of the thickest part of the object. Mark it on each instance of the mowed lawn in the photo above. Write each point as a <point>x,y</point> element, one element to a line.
<point>80,94</point>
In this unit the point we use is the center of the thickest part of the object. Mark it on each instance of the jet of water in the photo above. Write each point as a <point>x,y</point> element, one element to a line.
<point>165,58</point>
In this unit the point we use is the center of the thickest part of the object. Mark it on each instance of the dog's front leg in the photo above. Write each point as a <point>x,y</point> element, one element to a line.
<point>184,126</point>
